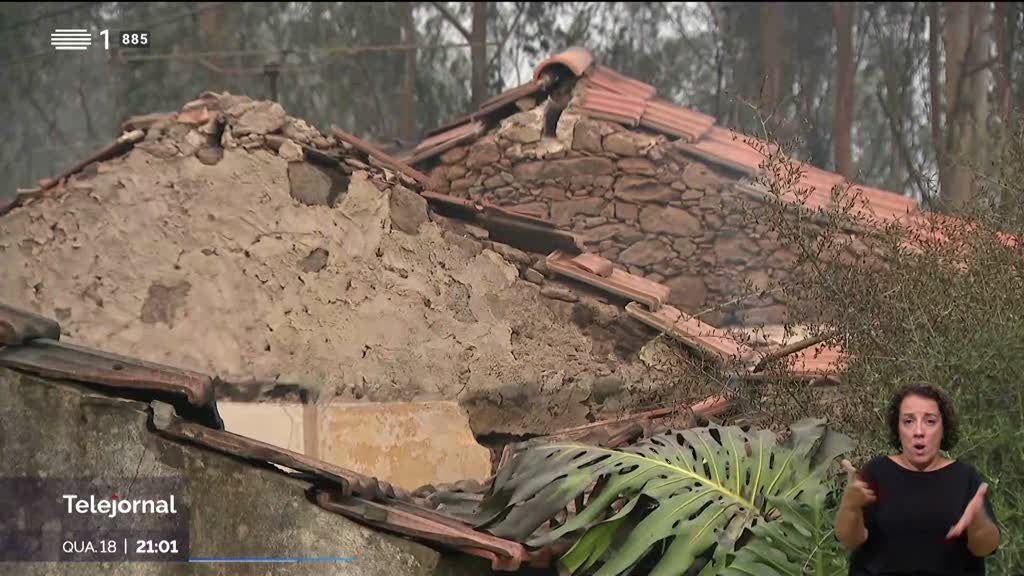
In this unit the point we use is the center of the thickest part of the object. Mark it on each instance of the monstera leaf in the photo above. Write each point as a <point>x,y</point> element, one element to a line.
<point>799,543</point>
<point>689,495</point>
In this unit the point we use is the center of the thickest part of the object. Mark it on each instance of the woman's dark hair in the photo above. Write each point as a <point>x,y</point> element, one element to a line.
<point>950,434</point>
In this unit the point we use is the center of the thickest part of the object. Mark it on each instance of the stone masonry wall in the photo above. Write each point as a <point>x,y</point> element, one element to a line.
<point>634,198</point>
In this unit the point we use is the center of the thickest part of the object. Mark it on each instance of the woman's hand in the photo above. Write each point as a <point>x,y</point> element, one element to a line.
<point>857,493</point>
<point>982,533</point>
<point>850,527</point>
<point>975,507</point>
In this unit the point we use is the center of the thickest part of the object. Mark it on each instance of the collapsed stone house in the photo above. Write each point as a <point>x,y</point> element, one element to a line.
<point>303,281</point>
<point>657,188</point>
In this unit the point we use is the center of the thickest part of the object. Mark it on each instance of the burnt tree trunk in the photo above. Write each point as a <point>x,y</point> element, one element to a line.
<point>408,122</point>
<point>478,51</point>
<point>842,18</point>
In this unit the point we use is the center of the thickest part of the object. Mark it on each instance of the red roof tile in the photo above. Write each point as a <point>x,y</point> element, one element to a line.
<point>508,97</point>
<point>438,143</point>
<point>576,59</point>
<point>380,155</point>
<point>170,424</point>
<point>703,337</point>
<point>52,359</point>
<point>822,183</point>
<point>595,264</point>
<point>610,80</point>
<point>729,147</point>
<point>883,204</point>
<point>637,288</point>
<point>20,326</point>
<point>675,120</point>
<point>611,106</point>
<point>817,360</point>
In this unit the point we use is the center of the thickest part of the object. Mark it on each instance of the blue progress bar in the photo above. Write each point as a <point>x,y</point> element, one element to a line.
<point>254,560</point>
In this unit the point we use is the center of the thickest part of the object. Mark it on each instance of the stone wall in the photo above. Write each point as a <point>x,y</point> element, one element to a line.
<point>52,429</point>
<point>636,199</point>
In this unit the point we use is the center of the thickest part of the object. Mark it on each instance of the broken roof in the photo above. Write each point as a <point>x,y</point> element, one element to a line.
<point>183,408</point>
<point>607,94</point>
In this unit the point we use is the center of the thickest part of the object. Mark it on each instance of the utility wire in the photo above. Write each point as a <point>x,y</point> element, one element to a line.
<point>151,25</point>
<point>68,10</point>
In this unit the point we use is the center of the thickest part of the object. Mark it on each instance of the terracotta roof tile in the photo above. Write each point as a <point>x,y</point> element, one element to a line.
<point>729,147</point>
<point>380,155</point>
<point>525,232</point>
<point>438,143</point>
<point>505,555</point>
<point>576,59</point>
<point>703,337</point>
<point>168,423</point>
<point>20,326</point>
<point>817,360</point>
<point>623,284</point>
<point>600,103</point>
<point>508,97</point>
<point>822,182</point>
<point>52,359</point>
<point>675,120</point>
<point>595,264</point>
<point>883,204</point>
<point>607,79</point>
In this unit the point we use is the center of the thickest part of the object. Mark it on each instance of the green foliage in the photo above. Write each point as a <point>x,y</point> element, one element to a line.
<point>802,541</point>
<point>936,298</point>
<point>682,501</point>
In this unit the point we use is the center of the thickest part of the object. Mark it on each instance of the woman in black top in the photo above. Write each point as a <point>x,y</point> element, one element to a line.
<point>917,512</point>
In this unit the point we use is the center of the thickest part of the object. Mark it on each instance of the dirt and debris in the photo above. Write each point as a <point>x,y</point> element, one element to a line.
<point>204,246</point>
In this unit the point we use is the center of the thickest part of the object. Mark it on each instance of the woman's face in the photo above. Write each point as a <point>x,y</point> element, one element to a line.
<point>920,427</point>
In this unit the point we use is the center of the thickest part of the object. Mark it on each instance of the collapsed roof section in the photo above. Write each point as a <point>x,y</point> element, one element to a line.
<point>602,93</point>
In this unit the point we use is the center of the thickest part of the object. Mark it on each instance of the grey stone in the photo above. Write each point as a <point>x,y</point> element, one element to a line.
<point>511,254</point>
<point>161,149</point>
<point>642,189</point>
<point>586,136</point>
<point>313,186</point>
<point>210,155</point>
<point>624,143</point>
<point>291,151</point>
<point>483,153</point>
<point>315,261</point>
<point>766,315</point>
<point>563,212</point>
<point>556,293</point>
<point>297,129</point>
<point>565,168</point>
<point>455,155</point>
<point>733,249</point>
<point>684,247</point>
<point>668,220</point>
<point>552,193</point>
<point>531,275</point>
<point>645,253</point>
<point>408,210</point>
<point>637,166</point>
<point>524,127</point>
<point>688,292</point>
<point>605,232</point>
<point>257,118</point>
<point>698,177</point>
<point>689,195</point>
